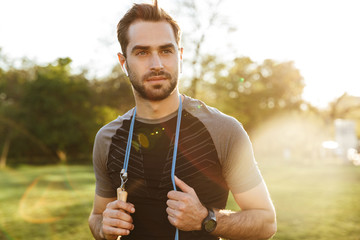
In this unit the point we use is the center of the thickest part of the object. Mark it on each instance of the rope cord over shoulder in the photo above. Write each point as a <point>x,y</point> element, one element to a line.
<point>128,145</point>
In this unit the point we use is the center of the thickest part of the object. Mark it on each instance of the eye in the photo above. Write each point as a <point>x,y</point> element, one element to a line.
<point>141,53</point>
<point>166,51</point>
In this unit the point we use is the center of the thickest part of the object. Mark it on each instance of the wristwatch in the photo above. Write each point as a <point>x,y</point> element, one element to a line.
<point>209,223</point>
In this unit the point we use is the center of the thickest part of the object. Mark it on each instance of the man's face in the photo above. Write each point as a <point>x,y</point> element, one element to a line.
<point>152,59</point>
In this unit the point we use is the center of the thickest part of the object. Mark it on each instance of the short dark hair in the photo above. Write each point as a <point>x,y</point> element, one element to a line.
<point>145,12</point>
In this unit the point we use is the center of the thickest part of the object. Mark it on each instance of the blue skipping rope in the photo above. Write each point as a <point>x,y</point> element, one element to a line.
<point>128,148</point>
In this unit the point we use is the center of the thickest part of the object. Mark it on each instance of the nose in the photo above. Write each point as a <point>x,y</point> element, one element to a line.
<point>156,63</point>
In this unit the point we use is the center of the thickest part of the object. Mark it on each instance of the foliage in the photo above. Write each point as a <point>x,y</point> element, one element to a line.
<point>48,114</point>
<point>344,107</point>
<point>55,108</point>
<point>249,91</point>
<point>11,92</point>
<point>253,92</point>
<point>114,91</point>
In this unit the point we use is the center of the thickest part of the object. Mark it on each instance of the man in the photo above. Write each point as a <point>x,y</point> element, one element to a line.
<point>214,152</point>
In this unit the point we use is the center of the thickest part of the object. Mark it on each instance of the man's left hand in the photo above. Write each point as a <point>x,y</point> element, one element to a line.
<point>185,210</point>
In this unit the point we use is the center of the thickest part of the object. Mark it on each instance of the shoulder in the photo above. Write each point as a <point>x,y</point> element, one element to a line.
<point>106,132</point>
<point>227,133</point>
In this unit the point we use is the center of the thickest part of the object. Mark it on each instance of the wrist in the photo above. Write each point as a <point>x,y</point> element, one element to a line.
<point>101,233</point>
<point>203,214</point>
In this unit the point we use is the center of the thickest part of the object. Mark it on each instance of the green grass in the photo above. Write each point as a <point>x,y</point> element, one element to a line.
<point>51,202</point>
<point>314,202</point>
<point>319,202</point>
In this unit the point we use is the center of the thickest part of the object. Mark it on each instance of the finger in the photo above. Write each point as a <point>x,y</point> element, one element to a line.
<point>128,207</point>
<point>118,204</point>
<point>171,212</point>
<point>176,195</point>
<point>183,186</point>
<point>110,232</point>
<point>118,214</point>
<point>172,221</point>
<point>171,203</point>
<point>118,223</point>
<point>177,206</point>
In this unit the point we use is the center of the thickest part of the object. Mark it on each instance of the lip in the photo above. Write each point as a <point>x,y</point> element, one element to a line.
<point>156,78</point>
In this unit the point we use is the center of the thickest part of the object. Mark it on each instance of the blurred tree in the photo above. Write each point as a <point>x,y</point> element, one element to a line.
<point>343,107</point>
<point>252,92</point>
<point>113,91</point>
<point>48,114</point>
<point>244,89</point>
<point>112,96</point>
<point>56,108</point>
<point>12,82</point>
<point>196,35</point>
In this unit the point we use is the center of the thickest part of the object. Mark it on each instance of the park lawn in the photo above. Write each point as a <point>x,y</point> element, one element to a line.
<point>47,202</point>
<point>316,201</point>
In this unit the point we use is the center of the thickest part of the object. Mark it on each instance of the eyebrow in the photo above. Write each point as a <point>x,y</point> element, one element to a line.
<point>170,45</point>
<point>141,47</point>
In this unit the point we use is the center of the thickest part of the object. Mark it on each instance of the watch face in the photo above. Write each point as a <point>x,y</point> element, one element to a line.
<point>210,225</point>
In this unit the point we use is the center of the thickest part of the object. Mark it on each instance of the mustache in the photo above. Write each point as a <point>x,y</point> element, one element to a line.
<point>157,73</point>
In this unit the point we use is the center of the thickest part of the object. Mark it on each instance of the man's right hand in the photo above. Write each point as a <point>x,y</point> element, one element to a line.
<point>117,220</point>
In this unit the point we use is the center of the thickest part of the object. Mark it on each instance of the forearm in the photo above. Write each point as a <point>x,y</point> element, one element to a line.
<point>95,224</point>
<point>245,225</point>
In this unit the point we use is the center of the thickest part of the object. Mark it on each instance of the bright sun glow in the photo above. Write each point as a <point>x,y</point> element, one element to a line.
<point>320,36</point>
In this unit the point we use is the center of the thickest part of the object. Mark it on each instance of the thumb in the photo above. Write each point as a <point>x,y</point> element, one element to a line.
<point>183,186</point>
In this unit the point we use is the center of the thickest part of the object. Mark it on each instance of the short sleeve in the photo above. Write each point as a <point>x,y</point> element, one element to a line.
<point>102,143</point>
<point>239,166</point>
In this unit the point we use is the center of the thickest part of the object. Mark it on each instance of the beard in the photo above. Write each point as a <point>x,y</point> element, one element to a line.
<point>154,92</point>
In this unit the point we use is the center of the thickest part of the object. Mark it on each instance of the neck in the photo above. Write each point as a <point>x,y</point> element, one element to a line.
<point>157,109</point>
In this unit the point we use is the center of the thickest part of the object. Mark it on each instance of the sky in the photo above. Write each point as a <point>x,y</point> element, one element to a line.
<point>322,37</point>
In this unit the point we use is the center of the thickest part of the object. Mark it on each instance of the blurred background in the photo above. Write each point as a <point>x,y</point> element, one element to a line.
<point>287,70</point>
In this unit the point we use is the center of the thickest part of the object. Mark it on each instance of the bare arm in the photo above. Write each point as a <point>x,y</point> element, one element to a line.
<point>110,218</point>
<point>255,221</point>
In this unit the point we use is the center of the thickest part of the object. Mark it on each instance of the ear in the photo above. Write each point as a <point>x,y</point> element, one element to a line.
<point>181,53</point>
<point>181,59</point>
<point>122,61</point>
<point>121,58</point>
